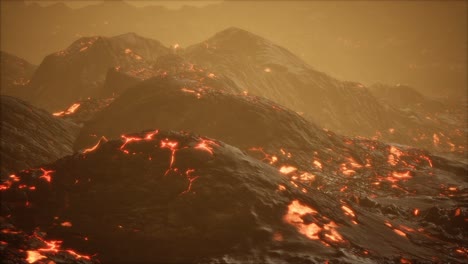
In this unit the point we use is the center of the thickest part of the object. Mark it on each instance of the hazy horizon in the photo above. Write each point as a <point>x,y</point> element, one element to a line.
<point>138,3</point>
<point>422,44</point>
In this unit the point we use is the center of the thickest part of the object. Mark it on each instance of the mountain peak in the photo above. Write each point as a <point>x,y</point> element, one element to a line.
<point>238,39</point>
<point>235,32</point>
<point>127,36</point>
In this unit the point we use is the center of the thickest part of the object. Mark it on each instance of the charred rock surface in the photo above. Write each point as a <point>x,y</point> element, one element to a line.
<point>18,247</point>
<point>175,197</point>
<point>83,111</point>
<point>439,125</point>
<point>173,103</point>
<point>31,136</point>
<point>392,180</point>
<point>117,82</point>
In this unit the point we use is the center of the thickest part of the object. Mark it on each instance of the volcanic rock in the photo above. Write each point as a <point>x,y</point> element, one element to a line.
<point>262,68</point>
<point>31,136</point>
<point>78,71</point>
<point>171,197</point>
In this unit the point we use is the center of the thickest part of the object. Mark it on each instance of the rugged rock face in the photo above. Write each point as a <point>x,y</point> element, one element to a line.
<point>15,75</point>
<point>265,130</point>
<point>31,136</point>
<point>398,95</point>
<point>265,69</point>
<point>205,108</point>
<point>175,197</point>
<point>240,61</point>
<point>80,70</point>
<point>18,246</point>
<point>438,125</point>
<point>116,82</point>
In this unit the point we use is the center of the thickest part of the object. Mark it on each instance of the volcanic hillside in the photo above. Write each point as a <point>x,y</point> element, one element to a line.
<point>174,197</point>
<point>31,136</point>
<point>104,67</point>
<point>441,125</point>
<point>182,104</point>
<point>78,71</point>
<point>262,68</point>
<point>15,74</point>
<point>178,162</point>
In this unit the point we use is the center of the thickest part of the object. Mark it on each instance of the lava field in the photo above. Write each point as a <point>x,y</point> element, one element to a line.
<point>234,150</point>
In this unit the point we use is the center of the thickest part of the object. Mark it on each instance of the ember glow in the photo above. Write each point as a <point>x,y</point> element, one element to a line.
<point>102,139</point>
<point>287,169</point>
<point>128,139</point>
<point>191,179</point>
<point>327,232</point>
<point>402,175</point>
<point>206,145</point>
<point>50,248</point>
<point>34,256</point>
<point>261,156</point>
<point>46,175</point>
<point>348,211</point>
<point>72,109</point>
<point>317,164</point>
<point>172,146</point>
<point>66,224</point>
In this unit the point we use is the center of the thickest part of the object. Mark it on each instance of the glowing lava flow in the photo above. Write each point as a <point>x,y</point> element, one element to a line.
<point>295,217</point>
<point>296,211</point>
<point>102,139</point>
<point>34,256</point>
<point>271,159</point>
<point>348,211</point>
<point>46,175</point>
<point>317,164</point>
<point>171,145</point>
<point>70,110</point>
<point>287,169</point>
<point>402,175</point>
<point>191,179</point>
<point>52,246</point>
<point>127,139</point>
<point>7,184</point>
<point>206,144</point>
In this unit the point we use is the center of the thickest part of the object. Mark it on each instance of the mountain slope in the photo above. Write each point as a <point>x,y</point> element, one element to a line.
<point>205,108</point>
<point>15,75</point>
<point>265,69</point>
<point>287,191</point>
<point>439,125</point>
<point>80,70</point>
<point>31,136</point>
<point>262,68</point>
<point>170,197</point>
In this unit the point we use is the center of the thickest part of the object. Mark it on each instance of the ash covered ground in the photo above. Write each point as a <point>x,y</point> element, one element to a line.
<point>229,151</point>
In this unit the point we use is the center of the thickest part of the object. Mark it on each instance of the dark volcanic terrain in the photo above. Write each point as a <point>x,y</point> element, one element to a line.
<point>174,197</point>
<point>103,67</point>
<point>31,136</point>
<point>229,151</point>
